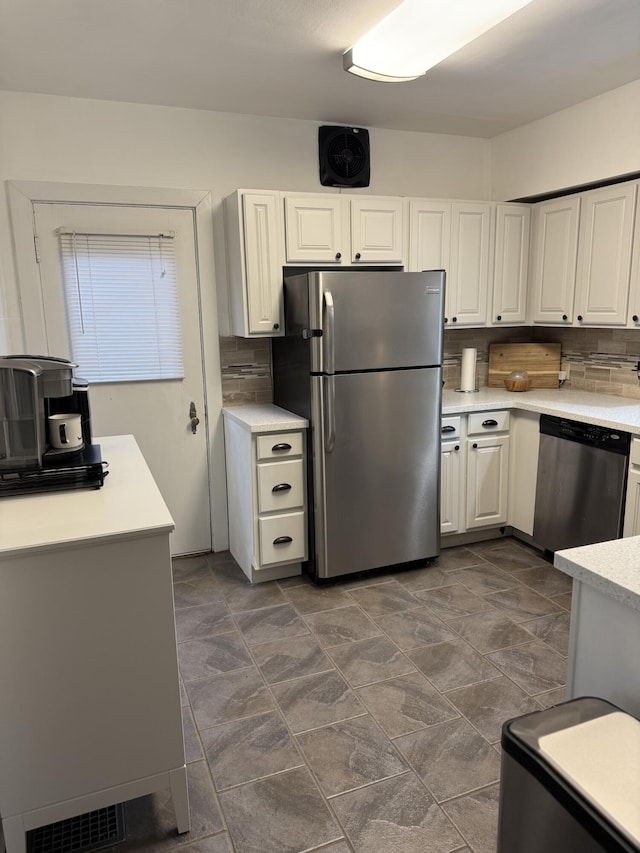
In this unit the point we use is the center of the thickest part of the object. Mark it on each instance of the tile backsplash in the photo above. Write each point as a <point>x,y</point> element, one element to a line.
<point>600,360</point>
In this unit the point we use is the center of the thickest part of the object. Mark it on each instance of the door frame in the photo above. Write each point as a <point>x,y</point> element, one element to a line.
<point>22,196</point>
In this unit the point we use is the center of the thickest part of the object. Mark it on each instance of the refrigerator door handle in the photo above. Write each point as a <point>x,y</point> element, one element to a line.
<point>329,413</point>
<point>329,327</point>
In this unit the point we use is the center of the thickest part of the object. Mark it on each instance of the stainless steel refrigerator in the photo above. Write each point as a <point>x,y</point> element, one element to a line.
<point>361,358</point>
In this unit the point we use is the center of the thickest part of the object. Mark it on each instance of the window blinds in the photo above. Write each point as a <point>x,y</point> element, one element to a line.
<point>121,297</point>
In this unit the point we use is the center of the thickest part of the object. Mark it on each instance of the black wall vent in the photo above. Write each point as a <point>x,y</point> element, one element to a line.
<point>344,156</point>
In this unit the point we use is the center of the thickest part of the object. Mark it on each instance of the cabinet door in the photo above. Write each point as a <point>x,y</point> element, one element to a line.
<point>487,480</point>
<point>469,268</point>
<point>316,229</point>
<point>430,239</point>
<point>450,482</point>
<point>511,264</point>
<point>377,231</point>
<point>263,264</point>
<point>555,247</point>
<point>604,255</point>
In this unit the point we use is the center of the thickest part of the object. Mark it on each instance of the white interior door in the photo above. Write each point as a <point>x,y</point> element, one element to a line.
<point>156,412</point>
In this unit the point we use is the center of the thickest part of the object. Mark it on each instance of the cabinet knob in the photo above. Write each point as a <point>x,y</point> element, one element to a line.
<point>338,255</point>
<point>475,446</point>
<point>454,319</point>
<point>457,447</point>
<point>564,317</point>
<point>635,318</point>
<point>276,325</point>
<point>580,318</point>
<point>499,317</point>
<point>358,256</point>
<point>446,320</point>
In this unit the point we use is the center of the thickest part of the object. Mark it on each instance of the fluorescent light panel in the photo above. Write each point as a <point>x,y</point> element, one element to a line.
<point>419,34</point>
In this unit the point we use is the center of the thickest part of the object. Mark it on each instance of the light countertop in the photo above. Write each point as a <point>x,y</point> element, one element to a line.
<point>264,418</point>
<point>605,410</point>
<point>613,568</point>
<point>128,504</point>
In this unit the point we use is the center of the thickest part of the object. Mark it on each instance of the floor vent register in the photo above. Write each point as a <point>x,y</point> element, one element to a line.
<point>81,834</point>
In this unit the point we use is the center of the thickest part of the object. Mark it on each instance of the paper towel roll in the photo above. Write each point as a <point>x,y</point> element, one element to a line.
<point>468,370</point>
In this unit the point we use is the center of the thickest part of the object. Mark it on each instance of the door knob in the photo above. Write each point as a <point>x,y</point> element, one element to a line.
<point>193,419</point>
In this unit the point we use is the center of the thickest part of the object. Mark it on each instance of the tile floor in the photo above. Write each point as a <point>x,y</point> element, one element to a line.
<point>363,716</point>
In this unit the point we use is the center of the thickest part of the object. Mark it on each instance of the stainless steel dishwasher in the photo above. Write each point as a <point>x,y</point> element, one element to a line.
<point>582,475</point>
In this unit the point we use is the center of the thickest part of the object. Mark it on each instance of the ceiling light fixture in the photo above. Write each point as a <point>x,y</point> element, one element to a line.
<point>419,34</point>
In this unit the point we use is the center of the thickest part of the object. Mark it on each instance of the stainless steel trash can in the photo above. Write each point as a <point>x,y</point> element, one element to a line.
<point>570,780</point>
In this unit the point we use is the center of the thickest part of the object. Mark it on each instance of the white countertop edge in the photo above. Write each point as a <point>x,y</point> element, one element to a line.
<point>606,410</point>
<point>86,541</point>
<point>612,567</point>
<point>264,417</point>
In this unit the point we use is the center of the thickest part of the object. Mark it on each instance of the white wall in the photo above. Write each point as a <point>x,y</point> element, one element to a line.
<point>73,140</point>
<point>591,141</point>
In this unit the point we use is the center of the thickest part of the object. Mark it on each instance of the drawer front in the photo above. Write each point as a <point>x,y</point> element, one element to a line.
<point>289,526</point>
<point>450,427</point>
<point>481,423</point>
<point>279,445</point>
<point>280,485</point>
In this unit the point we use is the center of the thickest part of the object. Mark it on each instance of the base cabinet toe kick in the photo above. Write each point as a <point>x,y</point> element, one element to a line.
<point>90,715</point>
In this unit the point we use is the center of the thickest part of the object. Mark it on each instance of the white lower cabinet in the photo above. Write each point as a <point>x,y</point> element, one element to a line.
<point>451,458</point>
<point>524,446</point>
<point>631,525</point>
<point>266,487</point>
<point>487,480</point>
<point>474,471</point>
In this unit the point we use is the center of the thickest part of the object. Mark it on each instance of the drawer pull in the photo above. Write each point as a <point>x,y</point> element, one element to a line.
<point>448,428</point>
<point>489,423</point>
<point>281,487</point>
<point>282,540</point>
<point>282,446</point>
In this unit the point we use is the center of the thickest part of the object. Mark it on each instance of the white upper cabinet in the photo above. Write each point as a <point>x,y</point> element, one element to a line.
<point>377,230</point>
<point>634,287</point>
<point>255,256</point>
<point>455,237</point>
<point>336,229</point>
<point>604,255</point>
<point>511,264</point>
<point>468,279</point>
<point>429,235</point>
<point>553,260</point>
<point>316,229</point>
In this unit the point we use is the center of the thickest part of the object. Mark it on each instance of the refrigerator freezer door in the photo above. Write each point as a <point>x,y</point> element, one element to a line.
<point>377,320</point>
<point>376,442</point>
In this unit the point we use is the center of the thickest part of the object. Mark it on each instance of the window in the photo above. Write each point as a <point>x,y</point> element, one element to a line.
<point>121,299</point>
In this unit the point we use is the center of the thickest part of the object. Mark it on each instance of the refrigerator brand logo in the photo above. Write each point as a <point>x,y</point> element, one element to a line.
<point>430,288</point>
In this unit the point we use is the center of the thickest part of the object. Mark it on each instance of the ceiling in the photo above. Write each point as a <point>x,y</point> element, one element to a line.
<point>283,58</point>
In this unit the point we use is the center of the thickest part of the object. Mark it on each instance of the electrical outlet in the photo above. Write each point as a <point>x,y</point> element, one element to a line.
<point>562,376</point>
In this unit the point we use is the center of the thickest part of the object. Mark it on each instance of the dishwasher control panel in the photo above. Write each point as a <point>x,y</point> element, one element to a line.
<point>604,438</point>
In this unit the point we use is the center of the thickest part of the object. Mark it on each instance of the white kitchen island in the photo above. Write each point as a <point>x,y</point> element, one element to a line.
<point>90,702</point>
<point>604,641</point>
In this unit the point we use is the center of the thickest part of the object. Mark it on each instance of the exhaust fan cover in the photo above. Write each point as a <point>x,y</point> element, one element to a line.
<point>344,156</point>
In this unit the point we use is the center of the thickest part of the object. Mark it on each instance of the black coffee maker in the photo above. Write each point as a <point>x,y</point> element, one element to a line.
<point>32,389</point>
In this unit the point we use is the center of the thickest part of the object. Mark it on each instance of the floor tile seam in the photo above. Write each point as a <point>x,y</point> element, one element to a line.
<point>321,794</point>
<point>406,772</point>
<point>385,737</point>
<point>535,641</point>
<point>216,675</point>
<point>352,686</point>
<point>432,793</point>
<point>523,586</point>
<point>376,619</point>
<point>233,630</point>
<point>306,633</point>
<point>464,717</point>
<point>303,764</point>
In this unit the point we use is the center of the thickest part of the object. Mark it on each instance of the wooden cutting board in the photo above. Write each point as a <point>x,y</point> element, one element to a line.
<point>541,361</point>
